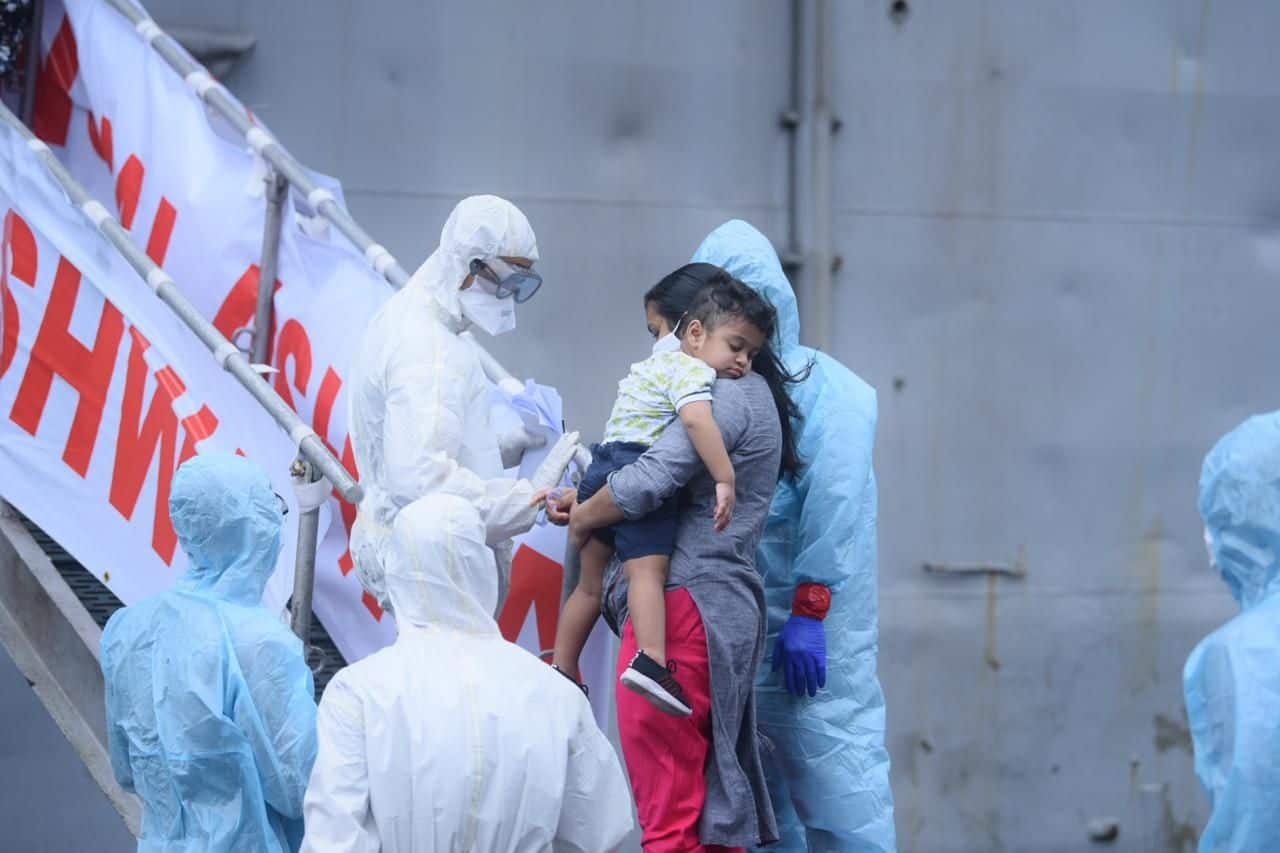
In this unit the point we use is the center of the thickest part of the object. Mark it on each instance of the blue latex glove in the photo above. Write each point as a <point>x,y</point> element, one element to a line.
<point>801,654</point>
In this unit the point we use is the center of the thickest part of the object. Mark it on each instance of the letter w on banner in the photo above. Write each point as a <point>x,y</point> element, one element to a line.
<point>191,193</point>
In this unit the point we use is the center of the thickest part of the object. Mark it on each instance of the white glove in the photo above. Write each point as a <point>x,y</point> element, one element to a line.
<point>513,444</point>
<point>552,469</point>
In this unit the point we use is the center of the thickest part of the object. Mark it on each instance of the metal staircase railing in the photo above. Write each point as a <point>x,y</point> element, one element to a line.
<point>283,165</point>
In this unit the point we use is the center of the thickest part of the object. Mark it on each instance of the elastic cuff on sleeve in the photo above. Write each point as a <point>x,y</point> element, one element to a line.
<point>695,397</point>
<point>812,600</point>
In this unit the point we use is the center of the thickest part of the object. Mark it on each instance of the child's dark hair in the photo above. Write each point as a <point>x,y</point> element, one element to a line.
<point>672,296</point>
<point>727,298</point>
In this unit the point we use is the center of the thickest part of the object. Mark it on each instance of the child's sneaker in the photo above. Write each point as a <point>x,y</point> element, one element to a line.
<point>576,683</point>
<point>655,682</point>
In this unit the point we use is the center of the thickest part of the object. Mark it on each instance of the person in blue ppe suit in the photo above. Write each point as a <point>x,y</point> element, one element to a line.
<point>211,715</point>
<point>1231,681</point>
<point>819,702</point>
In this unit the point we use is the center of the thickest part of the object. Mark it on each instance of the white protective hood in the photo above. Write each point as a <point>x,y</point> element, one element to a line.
<point>480,227</point>
<point>454,739</point>
<point>440,572</point>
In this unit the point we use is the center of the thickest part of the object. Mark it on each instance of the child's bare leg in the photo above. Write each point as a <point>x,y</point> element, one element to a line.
<point>646,602</point>
<point>583,607</point>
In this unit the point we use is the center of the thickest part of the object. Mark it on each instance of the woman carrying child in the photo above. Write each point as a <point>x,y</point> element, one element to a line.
<point>673,383</point>
<point>698,780</point>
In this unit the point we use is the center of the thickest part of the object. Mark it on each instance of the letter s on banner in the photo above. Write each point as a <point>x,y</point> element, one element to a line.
<point>20,258</point>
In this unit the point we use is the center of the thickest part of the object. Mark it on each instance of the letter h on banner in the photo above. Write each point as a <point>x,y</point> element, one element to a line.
<point>87,370</point>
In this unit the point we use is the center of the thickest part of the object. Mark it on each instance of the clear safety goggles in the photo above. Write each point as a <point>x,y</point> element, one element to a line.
<point>507,279</point>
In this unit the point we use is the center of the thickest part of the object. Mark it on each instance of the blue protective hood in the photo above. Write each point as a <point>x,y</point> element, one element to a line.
<point>748,255</point>
<point>1240,505</point>
<point>832,792</point>
<point>228,522</point>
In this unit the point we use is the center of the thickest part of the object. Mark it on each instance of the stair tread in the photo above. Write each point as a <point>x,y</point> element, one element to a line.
<point>101,602</point>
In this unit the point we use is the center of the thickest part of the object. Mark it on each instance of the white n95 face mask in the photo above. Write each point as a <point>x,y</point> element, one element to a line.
<point>667,343</point>
<point>493,315</point>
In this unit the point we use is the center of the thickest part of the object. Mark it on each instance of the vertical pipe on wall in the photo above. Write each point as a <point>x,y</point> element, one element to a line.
<point>792,121</point>
<point>28,105</point>
<point>809,251</point>
<point>816,309</point>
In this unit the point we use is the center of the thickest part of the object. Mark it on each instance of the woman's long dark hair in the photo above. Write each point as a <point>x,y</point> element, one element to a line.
<point>707,293</point>
<point>672,296</point>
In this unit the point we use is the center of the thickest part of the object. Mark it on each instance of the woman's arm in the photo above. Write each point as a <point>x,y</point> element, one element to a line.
<point>705,436</point>
<point>700,434</point>
<point>598,511</point>
<point>673,461</point>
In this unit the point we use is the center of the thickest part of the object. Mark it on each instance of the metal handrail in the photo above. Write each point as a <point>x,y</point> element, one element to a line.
<point>230,358</point>
<point>284,163</point>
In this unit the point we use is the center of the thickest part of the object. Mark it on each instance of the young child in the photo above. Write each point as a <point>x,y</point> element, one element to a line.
<point>673,382</point>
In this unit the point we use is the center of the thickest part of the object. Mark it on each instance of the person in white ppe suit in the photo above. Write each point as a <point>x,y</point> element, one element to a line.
<point>453,739</point>
<point>419,407</point>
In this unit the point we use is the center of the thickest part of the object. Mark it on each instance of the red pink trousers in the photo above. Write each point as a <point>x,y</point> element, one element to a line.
<point>667,756</point>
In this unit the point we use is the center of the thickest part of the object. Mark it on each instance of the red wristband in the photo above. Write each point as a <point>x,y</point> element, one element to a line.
<point>812,600</point>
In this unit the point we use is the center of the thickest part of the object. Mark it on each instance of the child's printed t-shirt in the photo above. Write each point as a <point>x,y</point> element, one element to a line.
<point>653,393</point>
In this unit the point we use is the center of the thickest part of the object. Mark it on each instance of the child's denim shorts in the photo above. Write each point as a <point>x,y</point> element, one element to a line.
<point>653,534</point>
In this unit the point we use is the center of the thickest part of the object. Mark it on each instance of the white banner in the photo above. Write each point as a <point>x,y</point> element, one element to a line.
<point>190,192</point>
<point>103,393</point>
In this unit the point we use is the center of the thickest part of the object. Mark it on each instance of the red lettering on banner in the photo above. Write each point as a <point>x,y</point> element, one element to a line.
<point>128,193</point>
<point>129,189</point>
<point>535,584</point>
<point>371,604</point>
<point>22,242</point>
<point>294,344</point>
<point>237,310</point>
<point>140,438</point>
<point>8,327</point>
<point>329,388</point>
<point>197,427</point>
<point>100,138</point>
<point>348,510</point>
<point>161,231</point>
<point>330,385</point>
<point>20,260</point>
<point>203,424</point>
<point>87,370</point>
<point>52,119</point>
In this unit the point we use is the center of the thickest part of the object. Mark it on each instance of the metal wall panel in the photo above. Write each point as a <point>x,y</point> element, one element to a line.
<point>1058,227</point>
<point>625,132</point>
<point>1058,270</point>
